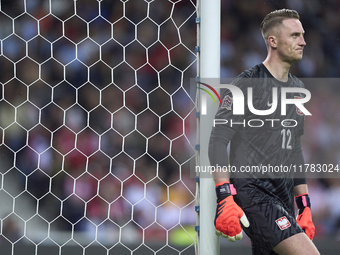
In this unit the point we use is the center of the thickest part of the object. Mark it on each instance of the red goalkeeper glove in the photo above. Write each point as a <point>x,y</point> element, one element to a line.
<point>228,213</point>
<point>304,218</point>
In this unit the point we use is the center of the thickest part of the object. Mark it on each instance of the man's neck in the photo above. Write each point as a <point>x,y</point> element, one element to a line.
<point>278,69</point>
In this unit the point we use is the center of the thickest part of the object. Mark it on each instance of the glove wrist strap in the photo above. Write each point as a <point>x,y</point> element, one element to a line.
<point>224,190</point>
<point>302,201</point>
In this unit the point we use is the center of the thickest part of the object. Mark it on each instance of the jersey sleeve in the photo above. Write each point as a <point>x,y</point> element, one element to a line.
<point>300,177</point>
<point>222,134</point>
<point>225,110</point>
<point>218,146</point>
<point>300,130</point>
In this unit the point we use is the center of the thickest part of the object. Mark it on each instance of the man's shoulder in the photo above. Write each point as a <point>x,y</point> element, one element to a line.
<point>253,72</point>
<point>247,77</point>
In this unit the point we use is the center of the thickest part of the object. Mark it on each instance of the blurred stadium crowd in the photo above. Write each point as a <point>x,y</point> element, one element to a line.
<point>60,109</point>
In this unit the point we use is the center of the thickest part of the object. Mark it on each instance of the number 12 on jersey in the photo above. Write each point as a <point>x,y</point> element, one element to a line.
<point>286,139</point>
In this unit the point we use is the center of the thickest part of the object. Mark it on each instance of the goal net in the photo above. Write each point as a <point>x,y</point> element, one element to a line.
<point>94,127</point>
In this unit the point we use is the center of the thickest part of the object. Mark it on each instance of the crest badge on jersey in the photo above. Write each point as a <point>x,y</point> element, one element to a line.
<point>227,102</point>
<point>298,111</point>
<point>283,223</point>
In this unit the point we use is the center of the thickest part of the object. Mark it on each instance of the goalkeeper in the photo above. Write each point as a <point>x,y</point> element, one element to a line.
<point>265,206</point>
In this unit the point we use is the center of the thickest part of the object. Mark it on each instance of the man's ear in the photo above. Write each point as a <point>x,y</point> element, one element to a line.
<point>272,41</point>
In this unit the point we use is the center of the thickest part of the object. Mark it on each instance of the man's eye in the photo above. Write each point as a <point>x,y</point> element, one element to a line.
<point>296,35</point>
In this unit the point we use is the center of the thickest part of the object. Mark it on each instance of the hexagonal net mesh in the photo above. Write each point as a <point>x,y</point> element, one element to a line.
<point>94,126</point>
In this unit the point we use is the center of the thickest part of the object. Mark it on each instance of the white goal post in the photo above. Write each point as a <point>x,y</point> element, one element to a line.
<point>95,148</point>
<point>209,27</point>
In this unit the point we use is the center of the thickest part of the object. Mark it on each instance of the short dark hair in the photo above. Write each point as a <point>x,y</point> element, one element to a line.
<point>275,18</point>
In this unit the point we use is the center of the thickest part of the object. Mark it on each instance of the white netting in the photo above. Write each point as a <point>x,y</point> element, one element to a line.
<point>94,126</point>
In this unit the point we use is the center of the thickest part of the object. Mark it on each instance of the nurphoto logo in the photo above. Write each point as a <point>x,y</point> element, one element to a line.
<point>237,100</point>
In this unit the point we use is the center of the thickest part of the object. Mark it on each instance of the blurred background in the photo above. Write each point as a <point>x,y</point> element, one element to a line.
<point>95,115</point>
